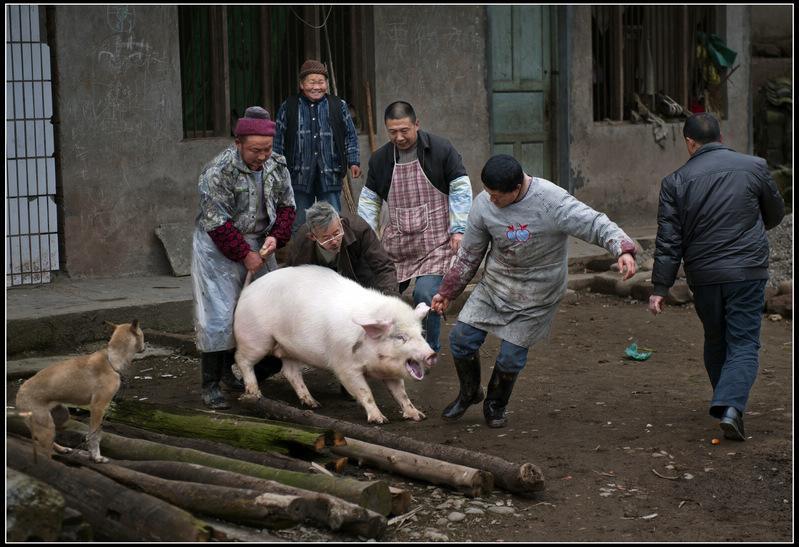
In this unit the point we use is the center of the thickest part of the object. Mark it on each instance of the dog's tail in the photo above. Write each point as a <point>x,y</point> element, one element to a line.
<point>24,410</point>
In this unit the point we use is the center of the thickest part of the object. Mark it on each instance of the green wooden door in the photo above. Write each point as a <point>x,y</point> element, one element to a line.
<point>520,74</point>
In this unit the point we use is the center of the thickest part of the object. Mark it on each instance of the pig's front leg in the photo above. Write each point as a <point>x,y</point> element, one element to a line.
<point>397,388</point>
<point>292,370</point>
<point>356,384</point>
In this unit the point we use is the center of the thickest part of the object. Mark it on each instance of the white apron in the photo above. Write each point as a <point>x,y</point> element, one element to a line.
<point>217,282</point>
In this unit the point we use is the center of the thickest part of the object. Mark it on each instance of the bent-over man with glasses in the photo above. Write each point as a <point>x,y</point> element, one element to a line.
<point>348,246</point>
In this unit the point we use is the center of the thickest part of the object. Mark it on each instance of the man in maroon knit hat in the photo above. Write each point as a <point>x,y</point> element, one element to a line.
<point>246,212</point>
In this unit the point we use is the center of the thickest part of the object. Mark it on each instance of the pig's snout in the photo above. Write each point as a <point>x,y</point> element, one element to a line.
<point>417,369</point>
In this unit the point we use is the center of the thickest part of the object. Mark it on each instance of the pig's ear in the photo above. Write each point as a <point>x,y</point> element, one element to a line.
<point>375,329</point>
<point>421,310</point>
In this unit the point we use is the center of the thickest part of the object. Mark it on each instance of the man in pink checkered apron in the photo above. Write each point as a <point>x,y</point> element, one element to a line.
<point>422,180</point>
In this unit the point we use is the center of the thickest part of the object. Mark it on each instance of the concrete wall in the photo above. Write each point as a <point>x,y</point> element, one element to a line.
<point>616,167</point>
<point>124,168</point>
<point>773,25</point>
<point>434,57</point>
<point>772,44</point>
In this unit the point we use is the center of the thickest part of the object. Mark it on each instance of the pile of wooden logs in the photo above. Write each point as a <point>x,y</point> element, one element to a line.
<point>179,475</point>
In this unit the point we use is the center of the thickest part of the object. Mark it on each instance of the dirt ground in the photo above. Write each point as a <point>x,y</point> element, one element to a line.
<point>600,426</point>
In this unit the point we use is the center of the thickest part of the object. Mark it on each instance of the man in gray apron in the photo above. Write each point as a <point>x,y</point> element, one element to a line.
<point>523,223</point>
<point>428,193</point>
<point>246,205</point>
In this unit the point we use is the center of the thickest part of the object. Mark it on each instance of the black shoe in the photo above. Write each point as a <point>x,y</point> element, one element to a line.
<point>228,378</point>
<point>732,423</point>
<point>499,389</point>
<point>211,365</point>
<point>468,370</point>
<point>213,397</point>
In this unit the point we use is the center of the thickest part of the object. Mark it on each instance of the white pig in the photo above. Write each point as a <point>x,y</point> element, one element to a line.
<point>312,315</point>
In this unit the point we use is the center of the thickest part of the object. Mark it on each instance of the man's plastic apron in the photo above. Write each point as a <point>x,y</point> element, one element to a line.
<point>416,237</point>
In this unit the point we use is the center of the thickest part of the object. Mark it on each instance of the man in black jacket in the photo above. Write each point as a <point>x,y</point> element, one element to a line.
<point>713,215</point>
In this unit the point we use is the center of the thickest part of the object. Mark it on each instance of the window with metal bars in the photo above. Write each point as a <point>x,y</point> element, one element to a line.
<point>32,231</point>
<point>648,58</point>
<point>233,57</point>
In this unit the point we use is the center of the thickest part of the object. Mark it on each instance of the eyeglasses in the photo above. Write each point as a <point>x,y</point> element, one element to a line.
<point>336,237</point>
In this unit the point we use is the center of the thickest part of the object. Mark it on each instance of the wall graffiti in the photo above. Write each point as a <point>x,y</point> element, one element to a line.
<point>127,96</point>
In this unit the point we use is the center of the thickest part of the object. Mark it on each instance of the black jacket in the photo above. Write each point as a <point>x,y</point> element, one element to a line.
<point>713,215</point>
<point>440,162</point>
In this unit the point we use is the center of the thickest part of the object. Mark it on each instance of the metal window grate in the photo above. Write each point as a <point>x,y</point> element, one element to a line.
<point>645,50</point>
<point>263,48</point>
<point>31,213</point>
<point>244,59</point>
<point>194,27</point>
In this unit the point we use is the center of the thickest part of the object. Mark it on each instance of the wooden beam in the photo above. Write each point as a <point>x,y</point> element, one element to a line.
<point>524,479</point>
<point>468,480</point>
<point>115,512</point>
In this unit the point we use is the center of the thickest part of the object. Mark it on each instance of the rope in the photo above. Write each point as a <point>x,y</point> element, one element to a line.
<point>309,24</point>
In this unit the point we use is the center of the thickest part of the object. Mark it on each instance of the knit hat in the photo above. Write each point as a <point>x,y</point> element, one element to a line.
<point>312,67</point>
<point>255,122</point>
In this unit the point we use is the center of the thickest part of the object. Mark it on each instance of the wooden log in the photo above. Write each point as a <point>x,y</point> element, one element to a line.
<point>331,436</point>
<point>34,509</point>
<point>278,461</point>
<point>373,495</point>
<point>75,528</point>
<point>250,434</point>
<point>321,509</point>
<point>469,481</point>
<point>241,505</point>
<point>524,479</point>
<point>115,512</point>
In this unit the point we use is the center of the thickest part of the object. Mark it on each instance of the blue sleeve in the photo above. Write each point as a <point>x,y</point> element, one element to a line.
<point>351,146</point>
<point>280,130</point>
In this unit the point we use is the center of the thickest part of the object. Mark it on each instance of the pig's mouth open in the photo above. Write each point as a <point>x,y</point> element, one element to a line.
<point>415,369</point>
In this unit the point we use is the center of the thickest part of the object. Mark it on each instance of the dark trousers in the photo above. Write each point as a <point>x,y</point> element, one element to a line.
<point>424,290</point>
<point>465,340</point>
<point>303,200</point>
<point>731,314</point>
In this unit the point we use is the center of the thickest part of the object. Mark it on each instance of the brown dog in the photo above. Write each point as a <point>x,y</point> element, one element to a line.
<point>85,380</point>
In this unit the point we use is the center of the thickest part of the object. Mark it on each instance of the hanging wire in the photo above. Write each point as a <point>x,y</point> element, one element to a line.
<point>309,24</point>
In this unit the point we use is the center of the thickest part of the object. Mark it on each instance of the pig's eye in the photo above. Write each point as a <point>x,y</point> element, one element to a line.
<point>401,337</point>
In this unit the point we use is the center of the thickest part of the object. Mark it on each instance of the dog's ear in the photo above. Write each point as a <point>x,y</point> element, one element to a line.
<point>134,325</point>
<point>110,324</point>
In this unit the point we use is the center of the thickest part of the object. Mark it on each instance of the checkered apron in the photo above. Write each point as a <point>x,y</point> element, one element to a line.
<point>416,236</point>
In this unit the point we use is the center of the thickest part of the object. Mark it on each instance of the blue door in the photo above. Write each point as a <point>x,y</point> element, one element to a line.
<point>520,70</point>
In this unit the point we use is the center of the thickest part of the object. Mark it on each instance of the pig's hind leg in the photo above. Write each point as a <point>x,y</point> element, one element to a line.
<point>397,389</point>
<point>246,360</point>
<point>292,371</point>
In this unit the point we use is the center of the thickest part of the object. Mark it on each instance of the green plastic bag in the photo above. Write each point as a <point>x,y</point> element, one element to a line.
<point>717,50</point>
<point>633,353</point>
